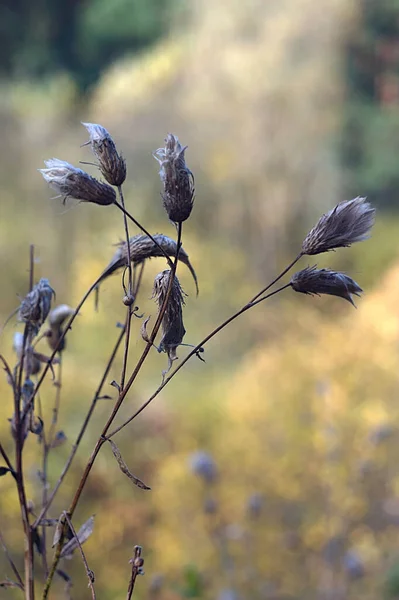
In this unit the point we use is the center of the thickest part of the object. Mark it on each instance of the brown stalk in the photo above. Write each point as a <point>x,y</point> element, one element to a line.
<point>101,440</point>
<point>130,298</point>
<point>137,566</point>
<point>19,477</point>
<point>89,572</point>
<point>82,431</point>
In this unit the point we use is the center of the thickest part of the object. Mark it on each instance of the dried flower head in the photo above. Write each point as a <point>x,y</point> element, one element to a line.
<point>323,281</point>
<point>36,305</point>
<point>172,322</point>
<point>111,164</point>
<point>349,222</point>
<point>177,179</point>
<point>56,320</point>
<point>71,182</point>
<point>141,248</point>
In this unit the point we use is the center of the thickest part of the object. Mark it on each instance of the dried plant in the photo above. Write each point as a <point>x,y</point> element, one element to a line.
<point>70,182</point>
<point>316,281</point>
<point>347,223</point>
<point>177,179</point>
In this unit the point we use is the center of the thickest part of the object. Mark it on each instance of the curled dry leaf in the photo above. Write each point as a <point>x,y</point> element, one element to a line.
<point>124,468</point>
<point>58,530</point>
<point>143,331</point>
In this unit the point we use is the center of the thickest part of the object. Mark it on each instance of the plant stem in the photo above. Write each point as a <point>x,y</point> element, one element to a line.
<point>192,353</point>
<point>10,560</point>
<point>130,292</point>
<point>115,410</point>
<point>122,208</point>
<point>82,431</point>
<point>277,278</point>
<point>89,572</point>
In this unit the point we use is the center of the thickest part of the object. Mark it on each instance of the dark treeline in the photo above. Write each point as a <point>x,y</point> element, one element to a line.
<point>80,37</point>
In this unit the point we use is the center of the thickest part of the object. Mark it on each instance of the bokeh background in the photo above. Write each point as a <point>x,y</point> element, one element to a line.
<point>274,466</point>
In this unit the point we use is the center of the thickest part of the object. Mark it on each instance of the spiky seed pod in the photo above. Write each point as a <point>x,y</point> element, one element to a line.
<point>142,248</point>
<point>349,222</point>
<point>316,281</point>
<point>56,320</point>
<point>177,179</point>
<point>172,322</point>
<point>71,182</point>
<point>111,163</point>
<point>36,305</point>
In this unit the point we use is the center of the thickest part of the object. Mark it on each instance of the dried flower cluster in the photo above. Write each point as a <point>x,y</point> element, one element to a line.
<point>316,281</point>
<point>349,222</point>
<point>177,179</point>
<point>172,323</point>
<point>36,305</point>
<point>111,163</point>
<point>142,248</point>
<point>70,182</point>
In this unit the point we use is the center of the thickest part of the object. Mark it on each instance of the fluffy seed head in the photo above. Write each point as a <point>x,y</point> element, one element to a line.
<point>112,165</point>
<point>36,305</point>
<point>349,222</point>
<point>142,248</point>
<point>172,322</point>
<point>69,181</point>
<point>177,179</point>
<point>323,281</point>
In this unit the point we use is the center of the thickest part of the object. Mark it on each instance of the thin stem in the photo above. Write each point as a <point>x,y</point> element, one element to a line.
<point>57,402</point>
<point>7,460</point>
<point>44,485</point>
<point>195,350</point>
<point>89,572</point>
<point>277,278</point>
<point>137,563</point>
<point>130,291</point>
<point>115,410</point>
<point>82,431</point>
<point>10,560</point>
<point>129,216</point>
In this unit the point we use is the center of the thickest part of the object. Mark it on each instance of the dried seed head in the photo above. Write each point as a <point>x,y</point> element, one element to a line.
<point>111,164</point>
<point>36,305</point>
<point>349,222</point>
<point>323,281</point>
<point>56,320</point>
<point>32,363</point>
<point>172,322</point>
<point>69,181</point>
<point>177,179</point>
<point>203,465</point>
<point>141,248</point>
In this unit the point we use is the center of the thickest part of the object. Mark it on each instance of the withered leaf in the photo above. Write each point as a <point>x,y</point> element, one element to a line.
<point>37,541</point>
<point>4,470</point>
<point>124,468</point>
<point>48,522</point>
<point>83,535</point>
<point>143,331</point>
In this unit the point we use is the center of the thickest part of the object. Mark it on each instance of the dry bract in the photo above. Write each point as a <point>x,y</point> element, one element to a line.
<point>36,305</point>
<point>177,179</point>
<point>141,248</point>
<point>349,222</point>
<point>111,163</point>
<point>172,322</point>
<point>323,281</point>
<point>71,182</point>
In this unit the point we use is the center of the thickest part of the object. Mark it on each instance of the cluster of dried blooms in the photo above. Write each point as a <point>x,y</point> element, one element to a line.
<point>349,222</point>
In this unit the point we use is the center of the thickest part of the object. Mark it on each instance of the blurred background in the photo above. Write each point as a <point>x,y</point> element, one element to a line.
<point>273,466</point>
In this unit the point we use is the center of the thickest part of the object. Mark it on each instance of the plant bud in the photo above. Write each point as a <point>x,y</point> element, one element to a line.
<point>177,179</point>
<point>71,182</point>
<point>111,164</point>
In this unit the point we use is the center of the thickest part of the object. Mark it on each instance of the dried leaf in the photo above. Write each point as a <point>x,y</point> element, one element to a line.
<point>7,583</point>
<point>143,331</point>
<point>124,468</point>
<point>83,535</point>
<point>58,530</point>
<point>48,522</point>
<point>37,541</point>
<point>116,385</point>
<point>4,470</point>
